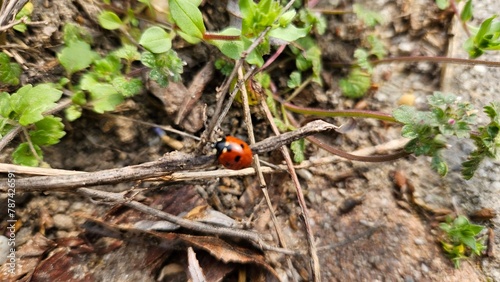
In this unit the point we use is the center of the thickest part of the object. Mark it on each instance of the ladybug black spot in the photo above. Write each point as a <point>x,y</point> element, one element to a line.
<point>237,159</point>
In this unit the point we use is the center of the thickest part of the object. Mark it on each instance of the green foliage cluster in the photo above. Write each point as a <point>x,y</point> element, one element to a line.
<point>461,239</point>
<point>486,37</point>
<point>358,82</point>
<point>487,141</point>
<point>448,116</point>
<point>26,108</point>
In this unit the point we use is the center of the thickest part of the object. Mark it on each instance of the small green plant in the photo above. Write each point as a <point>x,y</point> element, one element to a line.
<point>485,38</point>
<point>25,108</point>
<point>461,239</point>
<point>25,12</point>
<point>487,141</point>
<point>447,117</point>
<point>358,82</point>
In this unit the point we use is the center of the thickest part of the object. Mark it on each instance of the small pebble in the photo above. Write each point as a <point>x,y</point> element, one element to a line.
<point>419,241</point>
<point>63,222</point>
<point>425,268</point>
<point>480,69</point>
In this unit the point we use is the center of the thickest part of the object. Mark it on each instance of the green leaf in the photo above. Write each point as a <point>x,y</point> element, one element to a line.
<point>289,33</point>
<point>295,80</point>
<point>370,18</point>
<point>313,19</point>
<point>107,67</point>
<point>109,20</point>
<point>128,52</point>
<point>475,229</point>
<point>26,10</point>
<point>9,72</point>
<point>439,165</point>
<point>469,242</point>
<point>187,17</point>
<point>443,4</point>
<point>88,81</point>
<point>492,111</point>
<point>356,84</point>
<point>362,59</point>
<point>73,112</point>
<point>483,29</point>
<point>74,33</point>
<point>377,47</point>
<point>5,108</point>
<point>24,156</point>
<point>439,99</point>
<point>30,102</point>
<point>104,97</point>
<point>298,147</point>
<point>466,14</point>
<point>280,124</point>
<point>21,27</point>
<point>405,114</point>
<point>76,57</point>
<point>48,131</point>
<point>156,40</point>
<point>164,67</point>
<point>286,18</point>
<point>127,87</point>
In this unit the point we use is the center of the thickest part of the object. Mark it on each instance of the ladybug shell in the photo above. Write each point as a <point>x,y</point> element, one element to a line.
<point>233,153</point>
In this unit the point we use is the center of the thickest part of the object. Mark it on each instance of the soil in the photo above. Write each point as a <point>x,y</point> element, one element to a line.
<point>366,228</point>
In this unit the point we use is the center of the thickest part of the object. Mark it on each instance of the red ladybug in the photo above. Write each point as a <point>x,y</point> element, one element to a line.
<point>233,153</point>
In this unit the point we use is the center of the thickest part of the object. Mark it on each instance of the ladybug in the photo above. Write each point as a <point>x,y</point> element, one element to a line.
<point>233,153</point>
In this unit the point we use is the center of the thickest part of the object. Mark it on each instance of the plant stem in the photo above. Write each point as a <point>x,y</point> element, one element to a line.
<point>336,113</point>
<point>444,60</point>
<point>215,36</point>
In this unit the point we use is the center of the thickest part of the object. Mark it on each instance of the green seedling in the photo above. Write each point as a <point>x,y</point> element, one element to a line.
<point>25,108</point>
<point>448,116</point>
<point>461,239</point>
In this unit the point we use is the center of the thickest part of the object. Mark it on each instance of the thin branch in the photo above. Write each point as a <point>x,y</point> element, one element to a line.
<point>182,176</point>
<point>172,162</point>
<point>314,263</point>
<point>253,237</point>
